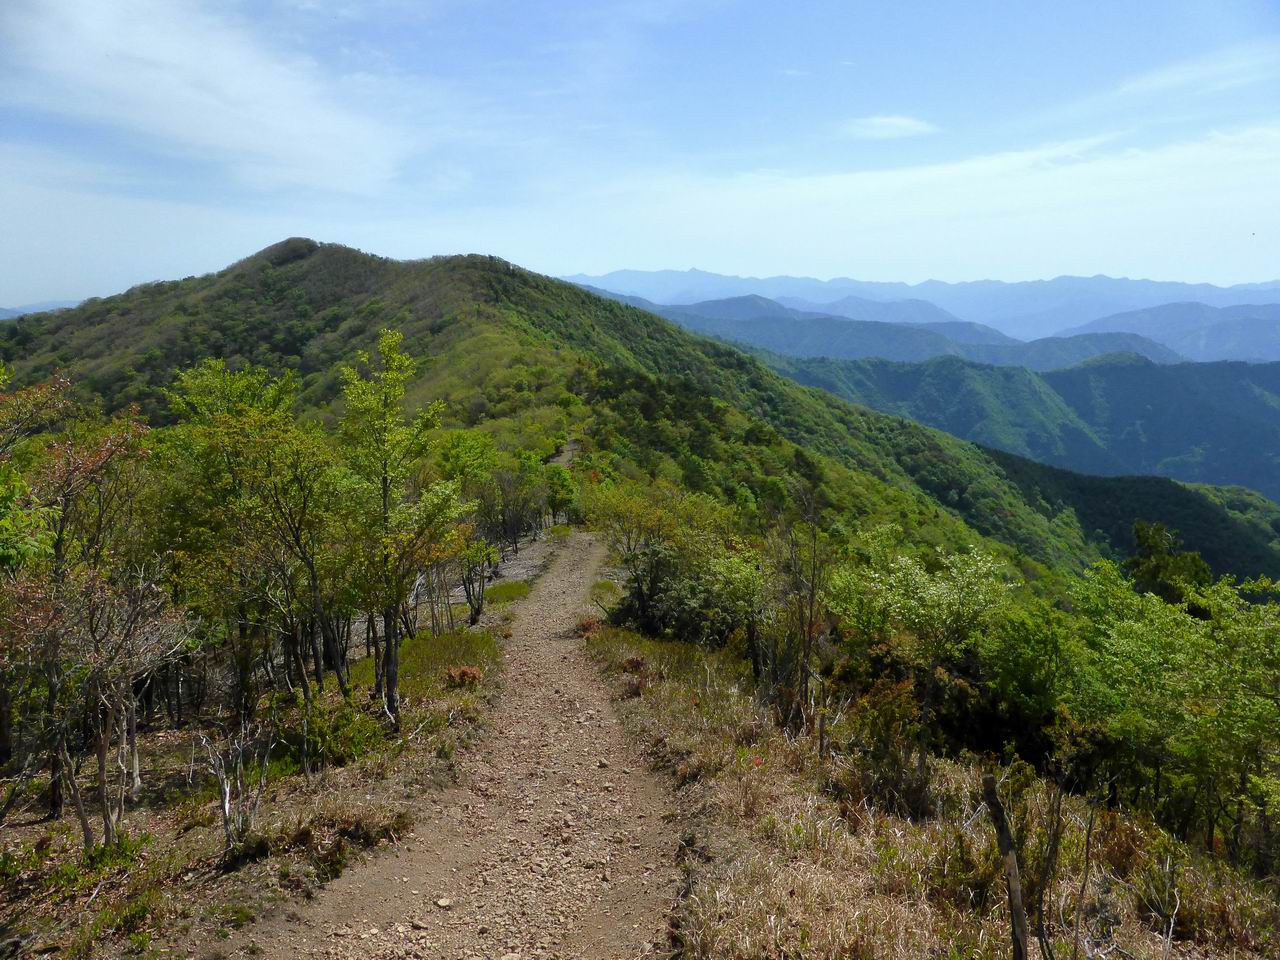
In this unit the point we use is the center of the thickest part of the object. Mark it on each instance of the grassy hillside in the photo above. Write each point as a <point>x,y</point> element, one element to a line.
<point>1211,423</point>
<point>533,358</point>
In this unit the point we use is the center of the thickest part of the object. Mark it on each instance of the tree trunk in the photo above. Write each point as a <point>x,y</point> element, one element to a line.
<point>56,755</point>
<point>104,715</point>
<point>317,659</point>
<point>1004,837</point>
<point>391,663</point>
<point>135,765</point>
<point>335,658</point>
<point>299,667</point>
<point>371,631</point>
<point>6,724</point>
<point>67,773</point>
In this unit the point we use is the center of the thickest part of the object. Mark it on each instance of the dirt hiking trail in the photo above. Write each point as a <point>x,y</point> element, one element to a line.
<point>554,843</point>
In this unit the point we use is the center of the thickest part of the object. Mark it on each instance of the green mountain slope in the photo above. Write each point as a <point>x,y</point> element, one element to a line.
<point>1056,353</point>
<point>532,357</point>
<point>1010,408</point>
<point>1215,423</point>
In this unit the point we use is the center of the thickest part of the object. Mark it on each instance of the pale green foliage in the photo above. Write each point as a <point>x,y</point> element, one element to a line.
<point>25,533</point>
<point>403,526</point>
<point>381,445</point>
<point>688,576</point>
<point>467,456</point>
<point>1189,688</point>
<point>210,390</point>
<point>942,610</point>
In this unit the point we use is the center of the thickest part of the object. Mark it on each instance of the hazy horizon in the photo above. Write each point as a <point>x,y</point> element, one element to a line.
<point>152,139</point>
<point>580,276</point>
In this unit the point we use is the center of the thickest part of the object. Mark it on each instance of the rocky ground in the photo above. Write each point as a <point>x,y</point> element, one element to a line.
<point>555,843</point>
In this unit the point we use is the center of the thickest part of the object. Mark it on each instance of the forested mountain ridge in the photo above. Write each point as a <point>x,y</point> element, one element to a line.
<point>1209,423</point>
<point>909,314</point>
<point>501,345</point>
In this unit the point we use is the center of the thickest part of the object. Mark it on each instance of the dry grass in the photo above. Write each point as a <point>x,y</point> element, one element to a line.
<point>792,864</point>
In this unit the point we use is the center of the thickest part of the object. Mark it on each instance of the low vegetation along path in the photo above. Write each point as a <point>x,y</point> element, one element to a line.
<point>553,845</point>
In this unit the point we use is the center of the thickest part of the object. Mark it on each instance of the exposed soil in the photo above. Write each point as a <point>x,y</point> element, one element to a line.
<point>554,844</point>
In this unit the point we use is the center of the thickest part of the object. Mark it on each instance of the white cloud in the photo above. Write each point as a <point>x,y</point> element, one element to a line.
<point>192,82</point>
<point>886,127</point>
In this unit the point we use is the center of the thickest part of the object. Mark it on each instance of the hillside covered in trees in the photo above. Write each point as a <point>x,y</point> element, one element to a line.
<point>508,350</point>
<point>1197,422</point>
<point>263,509</point>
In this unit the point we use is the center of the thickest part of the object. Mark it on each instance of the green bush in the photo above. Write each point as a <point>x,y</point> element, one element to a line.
<point>337,734</point>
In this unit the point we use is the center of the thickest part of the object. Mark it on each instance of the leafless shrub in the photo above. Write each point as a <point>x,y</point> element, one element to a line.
<point>239,764</point>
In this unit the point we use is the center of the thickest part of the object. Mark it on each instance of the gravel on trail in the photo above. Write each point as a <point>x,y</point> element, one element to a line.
<point>556,842</point>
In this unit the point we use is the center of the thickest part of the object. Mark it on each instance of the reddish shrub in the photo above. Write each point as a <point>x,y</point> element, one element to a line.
<point>458,678</point>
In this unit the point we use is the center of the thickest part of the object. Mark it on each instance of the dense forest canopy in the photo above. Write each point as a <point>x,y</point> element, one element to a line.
<point>1119,415</point>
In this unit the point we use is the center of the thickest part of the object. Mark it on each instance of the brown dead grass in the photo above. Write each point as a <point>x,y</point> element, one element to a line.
<point>795,867</point>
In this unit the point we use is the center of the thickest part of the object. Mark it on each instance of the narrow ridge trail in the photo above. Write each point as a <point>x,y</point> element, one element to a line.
<point>553,845</point>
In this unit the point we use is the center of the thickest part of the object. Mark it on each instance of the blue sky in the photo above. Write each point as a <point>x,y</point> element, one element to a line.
<point>147,139</point>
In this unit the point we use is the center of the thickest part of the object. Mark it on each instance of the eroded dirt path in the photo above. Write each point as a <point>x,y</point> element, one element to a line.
<point>554,844</point>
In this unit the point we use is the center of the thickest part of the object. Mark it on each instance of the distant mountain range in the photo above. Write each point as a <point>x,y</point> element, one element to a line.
<point>1200,422</point>
<point>1110,397</point>
<point>760,322</point>
<point>1199,331</point>
<point>8,313</point>
<point>886,311</point>
<point>1027,309</point>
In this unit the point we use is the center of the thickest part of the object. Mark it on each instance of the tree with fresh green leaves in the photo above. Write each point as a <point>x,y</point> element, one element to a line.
<point>1158,566</point>
<point>938,614</point>
<point>407,522</point>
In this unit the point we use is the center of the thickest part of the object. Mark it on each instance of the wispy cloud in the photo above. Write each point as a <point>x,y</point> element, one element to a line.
<point>1087,206</point>
<point>186,80</point>
<point>886,127</point>
<point>1226,69</point>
